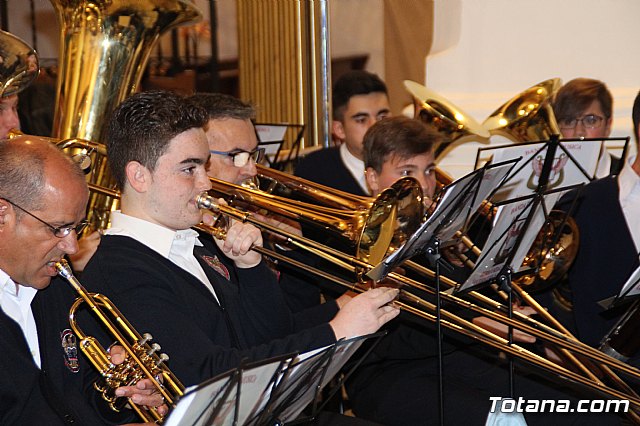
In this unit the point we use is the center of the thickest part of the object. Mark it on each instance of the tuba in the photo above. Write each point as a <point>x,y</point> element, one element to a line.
<point>19,66</point>
<point>528,116</point>
<point>104,48</point>
<point>446,118</point>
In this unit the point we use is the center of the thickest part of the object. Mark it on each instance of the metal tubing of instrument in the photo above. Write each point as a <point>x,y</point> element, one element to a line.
<point>93,301</point>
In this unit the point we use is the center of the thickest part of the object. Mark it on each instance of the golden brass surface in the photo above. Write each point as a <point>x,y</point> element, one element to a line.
<point>19,66</point>
<point>143,358</point>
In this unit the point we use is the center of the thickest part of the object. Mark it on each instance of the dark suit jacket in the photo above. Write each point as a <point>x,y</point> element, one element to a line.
<point>202,338</point>
<point>59,393</point>
<point>606,256</point>
<point>326,167</point>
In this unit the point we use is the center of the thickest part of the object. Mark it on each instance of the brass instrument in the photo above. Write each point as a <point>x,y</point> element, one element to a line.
<point>409,302</point>
<point>19,66</point>
<point>621,342</point>
<point>426,310</point>
<point>434,110</point>
<point>143,358</point>
<point>104,48</point>
<point>386,222</point>
<point>528,116</point>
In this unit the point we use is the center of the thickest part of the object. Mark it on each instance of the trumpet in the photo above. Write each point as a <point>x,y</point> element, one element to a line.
<point>144,361</point>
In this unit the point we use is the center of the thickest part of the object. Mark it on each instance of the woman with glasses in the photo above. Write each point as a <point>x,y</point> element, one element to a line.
<point>583,108</point>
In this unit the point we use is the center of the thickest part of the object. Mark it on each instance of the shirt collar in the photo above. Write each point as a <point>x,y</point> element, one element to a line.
<point>628,179</point>
<point>8,287</point>
<point>156,237</point>
<point>354,165</point>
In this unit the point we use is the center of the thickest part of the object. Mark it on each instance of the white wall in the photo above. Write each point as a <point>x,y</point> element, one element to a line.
<point>357,27</point>
<point>487,51</point>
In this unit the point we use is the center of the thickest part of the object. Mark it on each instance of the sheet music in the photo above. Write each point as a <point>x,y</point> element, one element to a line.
<point>281,387</point>
<point>632,286</point>
<point>564,172</point>
<point>198,401</point>
<point>271,132</point>
<point>508,225</point>
<point>459,200</point>
<point>344,350</point>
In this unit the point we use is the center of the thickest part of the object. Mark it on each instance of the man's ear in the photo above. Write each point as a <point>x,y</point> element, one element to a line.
<point>138,176</point>
<point>372,180</point>
<point>338,129</point>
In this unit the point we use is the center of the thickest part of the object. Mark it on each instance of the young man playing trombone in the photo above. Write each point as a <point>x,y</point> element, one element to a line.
<point>209,304</point>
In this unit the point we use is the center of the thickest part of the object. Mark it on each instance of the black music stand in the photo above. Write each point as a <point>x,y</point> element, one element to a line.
<point>620,342</point>
<point>566,158</point>
<point>229,398</point>
<point>457,203</point>
<point>271,136</point>
<point>303,381</point>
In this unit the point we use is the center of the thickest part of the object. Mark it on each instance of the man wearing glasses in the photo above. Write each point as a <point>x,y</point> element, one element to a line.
<point>43,197</point>
<point>608,216</point>
<point>583,108</point>
<point>233,145</point>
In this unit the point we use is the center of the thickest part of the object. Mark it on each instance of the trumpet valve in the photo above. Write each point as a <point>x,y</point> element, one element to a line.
<point>162,359</point>
<point>153,349</point>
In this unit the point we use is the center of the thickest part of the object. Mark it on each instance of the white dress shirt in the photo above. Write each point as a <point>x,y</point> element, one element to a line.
<point>355,167</point>
<point>177,246</point>
<point>629,186</point>
<point>15,301</point>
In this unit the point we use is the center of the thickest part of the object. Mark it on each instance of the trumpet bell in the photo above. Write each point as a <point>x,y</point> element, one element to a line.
<point>528,115</point>
<point>19,65</point>
<point>446,118</point>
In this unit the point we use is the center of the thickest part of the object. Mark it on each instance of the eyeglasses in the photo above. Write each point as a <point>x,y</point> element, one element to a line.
<point>590,121</point>
<point>241,158</point>
<point>58,231</point>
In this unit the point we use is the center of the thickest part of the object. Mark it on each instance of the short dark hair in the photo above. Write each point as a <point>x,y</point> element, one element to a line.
<point>24,169</point>
<point>397,136</point>
<point>635,116</point>
<point>353,83</point>
<point>142,126</point>
<point>576,96</point>
<point>221,106</point>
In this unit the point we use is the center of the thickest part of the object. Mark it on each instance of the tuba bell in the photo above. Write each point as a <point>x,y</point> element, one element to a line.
<point>528,116</point>
<point>104,48</point>
<point>19,65</point>
<point>446,118</point>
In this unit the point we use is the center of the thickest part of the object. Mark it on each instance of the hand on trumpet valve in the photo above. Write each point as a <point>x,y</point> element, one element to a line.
<point>144,392</point>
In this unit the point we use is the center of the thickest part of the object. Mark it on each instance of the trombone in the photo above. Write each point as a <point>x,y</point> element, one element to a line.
<point>555,333</point>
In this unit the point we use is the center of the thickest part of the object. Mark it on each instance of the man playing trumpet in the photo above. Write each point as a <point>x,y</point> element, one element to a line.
<point>43,377</point>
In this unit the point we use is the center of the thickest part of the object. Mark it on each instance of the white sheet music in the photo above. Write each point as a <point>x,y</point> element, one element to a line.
<point>284,393</point>
<point>564,172</point>
<point>632,286</point>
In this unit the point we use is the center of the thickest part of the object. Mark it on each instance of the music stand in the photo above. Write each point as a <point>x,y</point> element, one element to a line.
<point>229,398</point>
<point>271,136</point>
<point>576,162</point>
<point>457,203</point>
<point>305,379</point>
